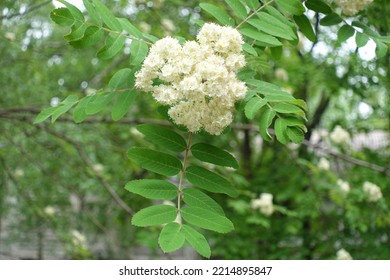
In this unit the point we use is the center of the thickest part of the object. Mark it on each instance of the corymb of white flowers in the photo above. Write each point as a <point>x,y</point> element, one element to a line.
<point>197,80</point>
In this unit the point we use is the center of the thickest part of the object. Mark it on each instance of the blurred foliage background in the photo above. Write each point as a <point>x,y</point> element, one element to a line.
<point>61,185</point>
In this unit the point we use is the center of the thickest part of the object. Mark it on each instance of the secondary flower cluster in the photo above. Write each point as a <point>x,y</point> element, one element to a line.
<point>372,191</point>
<point>343,185</point>
<point>352,7</point>
<point>264,203</point>
<point>340,135</point>
<point>197,80</point>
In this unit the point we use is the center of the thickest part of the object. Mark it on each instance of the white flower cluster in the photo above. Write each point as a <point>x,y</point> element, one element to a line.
<point>78,239</point>
<point>343,185</point>
<point>342,254</point>
<point>50,211</point>
<point>264,203</point>
<point>340,135</point>
<point>372,191</point>
<point>197,80</point>
<point>352,7</point>
<point>323,164</point>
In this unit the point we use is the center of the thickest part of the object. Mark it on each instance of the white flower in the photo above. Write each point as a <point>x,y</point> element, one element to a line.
<point>168,24</point>
<point>78,239</point>
<point>323,164</point>
<point>344,186</point>
<point>342,254</point>
<point>197,80</point>
<point>264,203</point>
<point>50,211</point>
<point>98,168</point>
<point>372,191</point>
<point>352,7</point>
<point>281,74</point>
<point>19,172</point>
<point>10,36</point>
<point>339,135</point>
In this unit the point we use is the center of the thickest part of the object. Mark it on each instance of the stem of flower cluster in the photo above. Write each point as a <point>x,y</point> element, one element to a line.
<point>183,170</point>
<point>254,13</point>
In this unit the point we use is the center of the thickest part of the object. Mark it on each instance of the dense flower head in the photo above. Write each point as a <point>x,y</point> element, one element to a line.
<point>352,7</point>
<point>197,79</point>
<point>264,204</point>
<point>372,191</point>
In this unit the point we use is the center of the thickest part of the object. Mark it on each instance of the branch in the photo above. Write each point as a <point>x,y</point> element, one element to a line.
<point>29,10</point>
<point>84,157</point>
<point>24,114</point>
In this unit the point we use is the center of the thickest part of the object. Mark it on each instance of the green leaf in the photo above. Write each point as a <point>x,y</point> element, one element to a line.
<point>79,113</point>
<point>171,237</point>
<point>113,45</point>
<point>193,197</point>
<point>98,103</point>
<point>252,4</point>
<point>138,52</point>
<point>129,28</point>
<point>122,103</point>
<point>271,25</point>
<point>253,106</point>
<point>157,162</point>
<point>286,108</point>
<point>280,131</point>
<point>163,136</point>
<point>295,134</point>
<point>293,121</point>
<point>293,7</point>
<point>76,13</point>
<point>278,15</point>
<point>123,78</point>
<point>64,107</point>
<point>44,114</point>
<point>381,49</point>
<point>92,12</point>
<point>76,32</point>
<point>345,32</point>
<point>218,14</point>
<point>62,16</point>
<point>209,181</point>
<point>367,30</point>
<point>361,39</point>
<point>153,189</point>
<point>107,16</point>
<point>154,215</point>
<point>197,241</point>
<point>238,8</point>
<point>92,35</point>
<point>265,39</point>
<point>331,19</point>
<point>214,155</point>
<point>206,219</point>
<point>249,49</point>
<point>264,87</point>
<point>318,6</point>
<point>265,121</point>
<point>305,26</point>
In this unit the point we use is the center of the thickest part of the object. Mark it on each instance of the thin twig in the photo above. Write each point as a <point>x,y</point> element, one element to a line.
<point>24,114</point>
<point>29,10</point>
<point>84,157</point>
<point>254,13</point>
